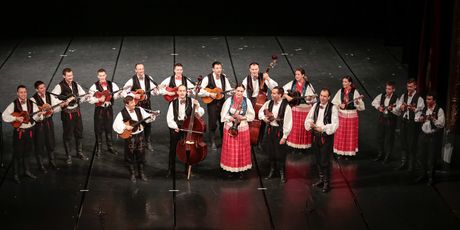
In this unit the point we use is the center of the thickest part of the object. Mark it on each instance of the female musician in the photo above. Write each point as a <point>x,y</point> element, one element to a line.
<point>298,138</point>
<point>349,102</point>
<point>236,112</point>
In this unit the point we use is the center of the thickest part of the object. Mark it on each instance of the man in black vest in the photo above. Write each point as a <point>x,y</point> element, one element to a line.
<point>279,125</point>
<point>385,103</point>
<point>145,82</point>
<point>255,82</point>
<point>430,139</point>
<point>179,109</point>
<point>44,130</point>
<point>134,145</point>
<point>70,115</point>
<point>174,81</point>
<point>211,81</point>
<point>103,112</point>
<point>23,135</point>
<point>323,120</point>
<point>409,105</point>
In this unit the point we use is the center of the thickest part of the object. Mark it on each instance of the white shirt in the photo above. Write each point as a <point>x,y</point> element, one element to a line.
<point>57,90</point>
<point>181,114</point>
<point>329,129</point>
<point>129,84</point>
<point>439,122</point>
<point>418,110</point>
<point>7,117</point>
<point>178,82</point>
<point>337,100</point>
<point>54,102</point>
<point>255,85</point>
<point>119,126</point>
<point>225,115</point>
<point>287,120</point>
<point>93,89</point>
<point>205,81</point>
<point>386,103</point>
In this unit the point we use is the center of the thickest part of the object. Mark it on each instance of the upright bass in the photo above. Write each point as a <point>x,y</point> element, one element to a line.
<point>254,126</point>
<point>192,149</point>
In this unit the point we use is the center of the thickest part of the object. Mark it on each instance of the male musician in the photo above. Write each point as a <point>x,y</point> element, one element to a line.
<point>255,82</point>
<point>44,130</point>
<point>145,82</point>
<point>175,80</point>
<point>103,112</point>
<point>323,122</point>
<point>23,135</point>
<point>410,105</point>
<point>70,115</point>
<point>385,103</point>
<point>134,145</point>
<point>279,126</point>
<point>178,111</point>
<point>211,81</point>
<point>429,142</point>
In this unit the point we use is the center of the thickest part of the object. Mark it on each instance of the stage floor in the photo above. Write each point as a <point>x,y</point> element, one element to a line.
<point>365,194</point>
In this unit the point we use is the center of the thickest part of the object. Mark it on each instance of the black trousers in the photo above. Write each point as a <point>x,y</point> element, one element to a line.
<point>174,138</point>
<point>214,109</point>
<point>409,135</point>
<point>322,149</point>
<point>103,120</point>
<point>386,135</point>
<point>22,149</point>
<point>147,126</point>
<point>135,149</point>
<point>44,138</point>
<point>429,150</point>
<point>72,125</point>
<point>276,152</point>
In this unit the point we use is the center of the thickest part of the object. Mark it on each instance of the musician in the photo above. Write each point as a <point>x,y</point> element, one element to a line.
<point>211,81</point>
<point>409,105</point>
<point>103,111</point>
<point>323,121</point>
<point>175,80</point>
<point>178,111</point>
<point>145,82</point>
<point>349,102</point>
<point>23,135</point>
<point>279,126</point>
<point>236,150</point>
<point>134,146</point>
<point>430,139</point>
<point>253,84</point>
<point>298,139</point>
<point>70,115</point>
<point>385,104</point>
<point>44,130</point>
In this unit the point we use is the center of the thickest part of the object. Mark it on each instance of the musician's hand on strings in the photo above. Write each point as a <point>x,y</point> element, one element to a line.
<point>101,99</point>
<point>266,77</point>
<point>137,96</point>
<point>20,119</point>
<point>390,108</point>
<point>381,109</point>
<point>213,95</point>
<point>129,127</point>
<point>403,107</point>
<point>283,141</point>
<point>342,106</point>
<point>318,129</point>
<point>170,93</point>
<point>153,117</point>
<point>176,130</point>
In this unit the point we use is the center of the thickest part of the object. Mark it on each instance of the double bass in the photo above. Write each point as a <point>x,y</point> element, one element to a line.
<point>192,149</point>
<point>254,126</point>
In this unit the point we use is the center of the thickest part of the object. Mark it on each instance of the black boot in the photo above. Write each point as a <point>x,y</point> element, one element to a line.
<point>387,159</point>
<point>16,171</point>
<point>421,178</point>
<point>411,165</point>
<point>379,157</point>
<point>67,152</point>
<point>98,146</point>
<point>110,144</point>
<point>326,186</point>
<point>52,161</point>
<point>271,174</point>
<point>327,177</point>
<point>41,167</point>
<point>26,169</point>
<point>320,182</point>
<point>430,178</point>
<point>132,173</point>
<point>282,175</point>
<point>212,140</point>
<point>80,150</point>
<point>141,172</point>
<point>403,165</point>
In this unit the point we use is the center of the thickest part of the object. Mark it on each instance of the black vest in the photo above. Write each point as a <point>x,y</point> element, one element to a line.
<point>66,91</point>
<point>18,107</point>
<point>327,113</point>
<point>351,94</point>
<point>250,87</point>
<point>137,84</point>
<point>413,101</point>
<point>434,114</point>
<point>172,81</point>
<point>39,100</point>
<point>188,108</point>
<point>127,117</point>
<point>393,100</point>
<point>109,88</point>
<point>281,111</point>
<point>212,84</point>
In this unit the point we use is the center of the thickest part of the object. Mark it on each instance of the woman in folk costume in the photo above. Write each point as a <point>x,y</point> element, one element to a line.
<point>301,95</point>
<point>236,112</point>
<point>349,102</point>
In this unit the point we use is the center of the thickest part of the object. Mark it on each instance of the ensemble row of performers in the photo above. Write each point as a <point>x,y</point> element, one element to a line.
<point>331,126</point>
